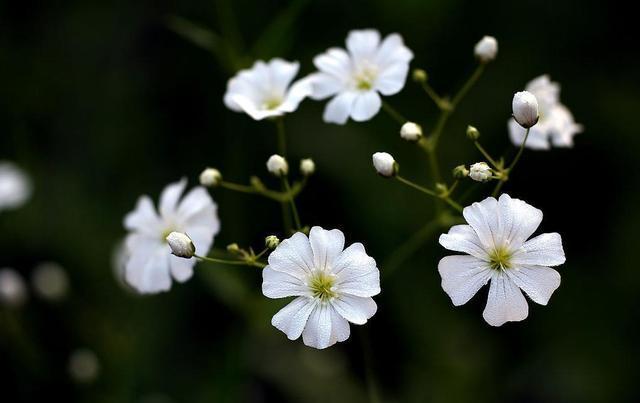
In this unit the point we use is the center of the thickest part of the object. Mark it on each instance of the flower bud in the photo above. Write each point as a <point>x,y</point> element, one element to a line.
<point>525,109</point>
<point>233,248</point>
<point>277,165</point>
<point>271,242</point>
<point>411,131</point>
<point>441,188</point>
<point>385,165</point>
<point>181,245</point>
<point>486,49</point>
<point>460,172</point>
<point>473,133</point>
<point>420,76</point>
<point>210,177</point>
<point>480,172</point>
<point>307,166</point>
<point>13,291</point>
<point>50,281</point>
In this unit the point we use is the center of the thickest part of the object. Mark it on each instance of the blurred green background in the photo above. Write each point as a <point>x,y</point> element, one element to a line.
<point>103,101</point>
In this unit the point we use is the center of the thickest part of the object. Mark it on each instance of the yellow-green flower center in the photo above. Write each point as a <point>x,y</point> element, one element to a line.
<point>321,285</point>
<point>500,258</point>
<point>365,78</point>
<point>272,102</point>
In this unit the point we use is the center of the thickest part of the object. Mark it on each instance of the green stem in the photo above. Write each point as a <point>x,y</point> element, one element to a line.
<point>506,172</point>
<point>391,111</point>
<point>251,263</point>
<point>430,192</point>
<point>520,151</point>
<point>434,96</point>
<point>281,197</point>
<point>467,86</point>
<point>292,203</point>
<point>486,155</point>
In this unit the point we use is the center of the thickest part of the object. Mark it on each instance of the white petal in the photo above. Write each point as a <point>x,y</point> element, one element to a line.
<point>193,202</point>
<point>143,218</point>
<point>202,237</point>
<point>483,218</point>
<point>339,108</point>
<point>356,272</point>
<point>392,78</point>
<point>293,256</point>
<point>363,44</point>
<point>335,62</point>
<point>543,250</point>
<point>276,284</point>
<point>462,238</point>
<point>355,309</point>
<point>517,221</point>
<point>538,139</point>
<point>181,269</point>
<point>538,282</point>
<point>326,246</point>
<point>298,91</point>
<point>281,73</point>
<point>170,196</point>
<point>318,331</point>
<point>250,107</point>
<point>392,51</point>
<point>505,302</point>
<point>366,106</point>
<point>325,85</point>
<point>292,319</point>
<point>148,270</point>
<point>339,327</point>
<point>462,277</point>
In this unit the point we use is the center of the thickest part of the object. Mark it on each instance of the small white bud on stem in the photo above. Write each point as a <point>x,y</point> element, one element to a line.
<point>181,245</point>
<point>385,165</point>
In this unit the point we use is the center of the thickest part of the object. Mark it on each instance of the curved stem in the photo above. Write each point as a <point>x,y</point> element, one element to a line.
<point>251,263</point>
<point>467,86</point>
<point>486,155</point>
<point>431,193</point>
<point>292,203</point>
<point>508,170</point>
<point>393,113</point>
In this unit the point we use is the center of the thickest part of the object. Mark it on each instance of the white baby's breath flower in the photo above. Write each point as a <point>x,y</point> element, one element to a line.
<point>556,125</point>
<point>385,164</point>
<point>181,245</point>
<point>13,291</point>
<point>332,286</point>
<point>15,186</point>
<point>265,90</point>
<point>210,177</point>
<point>307,166</point>
<point>277,165</point>
<point>356,77</point>
<point>50,281</point>
<point>411,131</point>
<point>84,365</point>
<point>480,172</point>
<point>150,264</point>
<point>525,109</point>
<point>486,49</point>
<point>498,249</point>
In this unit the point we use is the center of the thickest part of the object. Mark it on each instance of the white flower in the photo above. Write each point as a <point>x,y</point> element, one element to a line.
<point>556,125</point>
<point>355,77</point>
<point>384,164</point>
<point>15,186</point>
<point>525,109</point>
<point>50,281</point>
<point>486,49</point>
<point>150,264</point>
<point>13,291</point>
<point>480,172</point>
<point>264,90</point>
<point>307,166</point>
<point>210,177</point>
<point>277,165</point>
<point>83,365</point>
<point>411,131</point>
<point>332,286</point>
<point>181,245</point>
<point>498,249</point>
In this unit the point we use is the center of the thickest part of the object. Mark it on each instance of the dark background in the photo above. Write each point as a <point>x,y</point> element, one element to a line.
<point>101,102</point>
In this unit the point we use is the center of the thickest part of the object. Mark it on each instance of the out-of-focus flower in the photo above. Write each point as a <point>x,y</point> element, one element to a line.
<point>13,291</point>
<point>15,186</point>
<point>151,265</point>
<point>556,125</point>
<point>411,131</point>
<point>277,165</point>
<point>385,164</point>
<point>210,177</point>
<point>265,90</point>
<point>525,109</point>
<point>50,281</point>
<point>480,172</point>
<point>332,286</point>
<point>356,77</point>
<point>84,365</point>
<point>498,249</point>
<point>486,49</point>
<point>307,166</point>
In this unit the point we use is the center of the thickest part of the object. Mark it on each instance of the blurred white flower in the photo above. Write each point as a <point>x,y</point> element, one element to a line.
<point>355,77</point>
<point>499,250</point>
<point>556,125</point>
<point>525,109</point>
<point>277,165</point>
<point>13,291</point>
<point>307,166</point>
<point>265,90</point>
<point>480,172</point>
<point>411,131</point>
<point>332,286</point>
<point>50,281</point>
<point>15,186</point>
<point>486,49</point>
<point>150,265</point>
<point>84,365</point>
<point>384,164</point>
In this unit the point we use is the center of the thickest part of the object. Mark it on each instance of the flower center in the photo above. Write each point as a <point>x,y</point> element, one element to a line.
<point>321,285</point>
<point>500,258</point>
<point>365,77</point>
<point>166,233</point>
<point>272,102</point>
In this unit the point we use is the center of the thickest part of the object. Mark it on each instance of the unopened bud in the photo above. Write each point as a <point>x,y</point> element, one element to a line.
<point>210,177</point>
<point>420,76</point>
<point>385,165</point>
<point>486,49</point>
<point>460,172</point>
<point>307,166</point>
<point>181,245</point>
<point>525,109</point>
<point>233,248</point>
<point>480,172</point>
<point>277,165</point>
<point>411,131</point>
<point>13,291</point>
<point>473,133</point>
<point>271,242</point>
